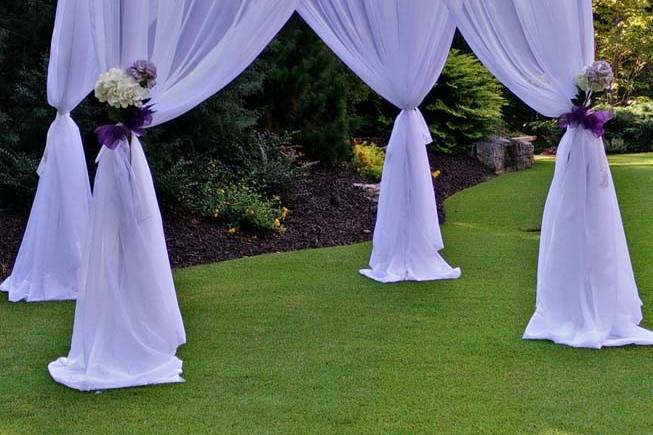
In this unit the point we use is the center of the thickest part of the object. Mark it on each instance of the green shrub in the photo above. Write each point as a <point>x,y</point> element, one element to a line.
<point>202,186</point>
<point>465,106</point>
<point>368,160</point>
<point>242,187</point>
<point>631,130</point>
<point>17,177</point>
<point>615,145</point>
<point>242,206</point>
<point>547,132</point>
<point>265,160</point>
<point>25,32</point>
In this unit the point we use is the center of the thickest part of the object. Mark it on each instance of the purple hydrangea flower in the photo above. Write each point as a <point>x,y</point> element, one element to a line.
<point>600,76</point>
<point>144,72</point>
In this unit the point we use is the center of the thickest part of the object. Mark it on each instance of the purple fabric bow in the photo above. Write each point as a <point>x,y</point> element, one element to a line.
<point>586,118</point>
<point>110,135</point>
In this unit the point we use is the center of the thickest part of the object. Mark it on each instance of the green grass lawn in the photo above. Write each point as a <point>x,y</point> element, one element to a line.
<point>299,342</point>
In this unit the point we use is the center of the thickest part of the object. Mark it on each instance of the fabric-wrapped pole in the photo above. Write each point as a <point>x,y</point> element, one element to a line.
<point>127,320</point>
<point>407,236</point>
<point>586,291</point>
<point>119,322</point>
<point>398,50</point>
<point>49,262</point>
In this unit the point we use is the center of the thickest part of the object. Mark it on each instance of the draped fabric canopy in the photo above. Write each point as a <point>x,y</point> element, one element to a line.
<point>111,252</point>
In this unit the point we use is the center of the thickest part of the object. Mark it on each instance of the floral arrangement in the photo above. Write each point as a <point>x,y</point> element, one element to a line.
<point>593,81</point>
<point>127,93</point>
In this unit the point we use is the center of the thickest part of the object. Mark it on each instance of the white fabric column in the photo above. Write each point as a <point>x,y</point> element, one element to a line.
<point>398,50</point>
<point>127,322</point>
<point>48,265</point>
<point>586,291</point>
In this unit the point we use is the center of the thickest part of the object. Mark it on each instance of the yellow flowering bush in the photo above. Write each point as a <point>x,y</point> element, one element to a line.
<point>368,159</point>
<point>242,206</point>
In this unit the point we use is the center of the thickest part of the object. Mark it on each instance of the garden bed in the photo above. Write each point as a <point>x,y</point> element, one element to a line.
<point>327,210</point>
<point>12,226</point>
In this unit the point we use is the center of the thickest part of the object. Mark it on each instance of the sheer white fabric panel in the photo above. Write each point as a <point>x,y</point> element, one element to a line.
<point>399,51</point>
<point>48,265</point>
<point>199,47</point>
<point>586,291</point>
<point>127,322</point>
<point>507,37</point>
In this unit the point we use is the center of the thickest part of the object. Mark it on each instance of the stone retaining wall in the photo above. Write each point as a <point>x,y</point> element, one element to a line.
<point>505,154</point>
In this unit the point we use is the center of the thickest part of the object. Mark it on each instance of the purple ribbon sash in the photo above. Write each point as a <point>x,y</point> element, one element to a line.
<point>587,118</point>
<point>110,135</point>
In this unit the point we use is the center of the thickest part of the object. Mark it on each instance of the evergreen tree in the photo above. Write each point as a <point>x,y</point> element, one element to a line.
<point>306,90</point>
<point>465,105</point>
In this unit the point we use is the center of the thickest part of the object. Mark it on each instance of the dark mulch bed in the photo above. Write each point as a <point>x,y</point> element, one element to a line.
<point>457,173</point>
<point>12,225</point>
<point>327,210</point>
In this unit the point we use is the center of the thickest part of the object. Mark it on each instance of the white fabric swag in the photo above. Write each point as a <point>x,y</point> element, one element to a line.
<point>586,291</point>
<point>48,265</point>
<point>127,321</point>
<point>399,52</point>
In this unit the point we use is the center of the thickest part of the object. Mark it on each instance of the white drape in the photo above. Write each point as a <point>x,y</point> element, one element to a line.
<point>49,261</point>
<point>398,50</point>
<point>127,322</point>
<point>586,291</point>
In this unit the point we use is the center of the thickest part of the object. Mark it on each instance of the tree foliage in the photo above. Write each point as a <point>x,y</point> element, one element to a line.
<point>298,84</point>
<point>624,37</point>
<point>25,30</point>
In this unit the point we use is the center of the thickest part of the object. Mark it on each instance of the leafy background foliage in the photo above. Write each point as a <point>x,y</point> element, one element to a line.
<point>299,103</point>
<point>624,37</point>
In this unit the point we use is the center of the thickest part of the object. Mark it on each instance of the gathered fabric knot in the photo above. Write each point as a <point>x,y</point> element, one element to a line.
<point>411,122</point>
<point>588,118</point>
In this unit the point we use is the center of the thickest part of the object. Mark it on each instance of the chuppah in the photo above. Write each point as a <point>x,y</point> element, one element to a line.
<point>154,60</point>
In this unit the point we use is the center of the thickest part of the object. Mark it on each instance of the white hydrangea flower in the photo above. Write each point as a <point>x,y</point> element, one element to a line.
<point>582,80</point>
<point>118,89</point>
